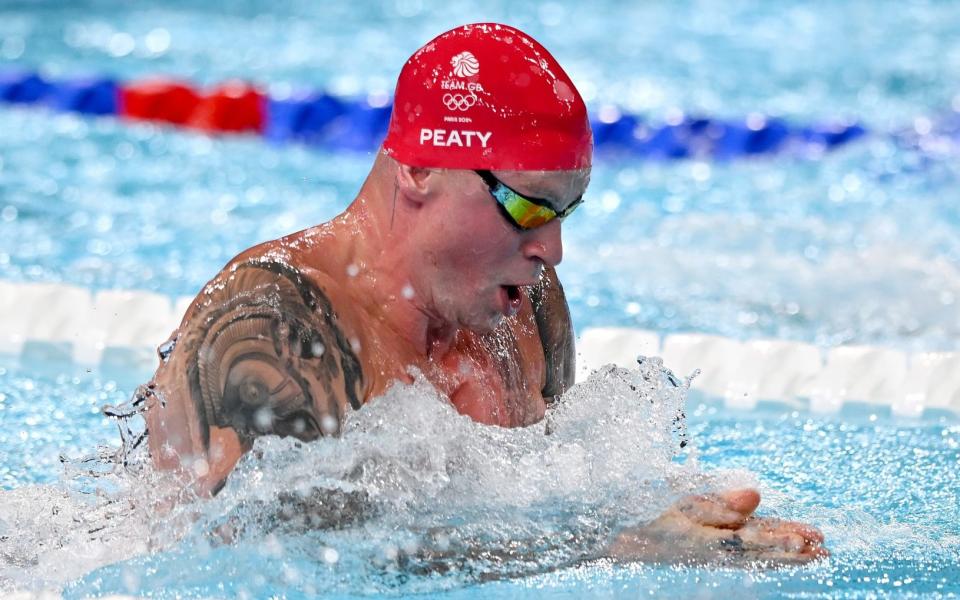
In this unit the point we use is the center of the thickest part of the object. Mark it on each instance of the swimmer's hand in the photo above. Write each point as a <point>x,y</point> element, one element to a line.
<point>719,529</point>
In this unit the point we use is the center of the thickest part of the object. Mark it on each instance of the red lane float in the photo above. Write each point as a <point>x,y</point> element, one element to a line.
<point>158,100</point>
<point>233,106</point>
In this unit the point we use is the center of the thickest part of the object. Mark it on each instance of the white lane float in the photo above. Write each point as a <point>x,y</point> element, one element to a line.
<point>121,329</point>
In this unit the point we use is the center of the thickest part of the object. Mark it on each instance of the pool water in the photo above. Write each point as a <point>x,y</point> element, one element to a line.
<point>436,504</point>
<point>854,246</point>
<point>858,246</point>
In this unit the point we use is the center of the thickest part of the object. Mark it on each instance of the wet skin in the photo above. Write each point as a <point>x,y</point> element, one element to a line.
<point>421,271</point>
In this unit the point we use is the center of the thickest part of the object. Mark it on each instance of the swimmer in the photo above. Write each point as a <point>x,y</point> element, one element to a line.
<point>443,262</point>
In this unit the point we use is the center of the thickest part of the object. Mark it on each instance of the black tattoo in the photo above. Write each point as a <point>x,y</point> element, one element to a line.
<point>733,543</point>
<point>265,354</point>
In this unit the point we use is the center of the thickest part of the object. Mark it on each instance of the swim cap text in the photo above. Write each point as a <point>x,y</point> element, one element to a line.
<point>453,137</point>
<point>453,84</point>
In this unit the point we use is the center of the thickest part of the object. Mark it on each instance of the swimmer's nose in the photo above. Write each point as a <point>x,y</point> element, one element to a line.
<point>544,244</point>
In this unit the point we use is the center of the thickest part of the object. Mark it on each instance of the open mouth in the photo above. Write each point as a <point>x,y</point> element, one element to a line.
<point>513,299</point>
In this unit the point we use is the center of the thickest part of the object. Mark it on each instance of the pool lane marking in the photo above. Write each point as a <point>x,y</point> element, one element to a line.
<point>122,328</point>
<point>319,118</point>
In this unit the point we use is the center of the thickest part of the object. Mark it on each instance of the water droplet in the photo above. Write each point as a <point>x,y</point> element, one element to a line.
<point>608,113</point>
<point>756,121</point>
<point>390,552</point>
<point>121,44</point>
<point>674,116</point>
<point>407,292</point>
<point>317,349</point>
<point>700,171</point>
<point>157,41</point>
<point>200,467</point>
<point>352,270</point>
<point>329,425</point>
<point>263,418</point>
<point>330,556</point>
<point>165,349</point>
<point>610,201</point>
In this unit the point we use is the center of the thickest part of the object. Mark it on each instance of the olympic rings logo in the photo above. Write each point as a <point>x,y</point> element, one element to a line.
<point>459,101</point>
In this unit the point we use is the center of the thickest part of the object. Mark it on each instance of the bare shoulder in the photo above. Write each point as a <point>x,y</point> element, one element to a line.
<point>262,350</point>
<point>555,327</point>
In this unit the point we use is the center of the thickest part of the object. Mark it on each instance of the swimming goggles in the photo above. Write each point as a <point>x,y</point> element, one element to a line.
<point>523,212</point>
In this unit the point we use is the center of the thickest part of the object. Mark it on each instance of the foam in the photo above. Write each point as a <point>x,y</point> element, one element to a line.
<point>407,469</point>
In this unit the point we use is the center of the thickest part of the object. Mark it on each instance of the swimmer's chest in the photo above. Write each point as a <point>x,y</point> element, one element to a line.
<point>494,378</point>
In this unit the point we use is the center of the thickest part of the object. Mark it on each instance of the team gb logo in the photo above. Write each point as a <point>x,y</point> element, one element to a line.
<point>465,64</point>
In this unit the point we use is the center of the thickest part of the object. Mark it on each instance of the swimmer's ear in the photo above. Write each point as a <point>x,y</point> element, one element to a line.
<point>416,183</point>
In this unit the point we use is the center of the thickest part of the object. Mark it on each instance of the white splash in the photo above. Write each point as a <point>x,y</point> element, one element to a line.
<point>408,477</point>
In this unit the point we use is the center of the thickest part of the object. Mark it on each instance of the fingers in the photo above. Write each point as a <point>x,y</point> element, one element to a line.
<point>776,526</point>
<point>743,501</point>
<point>710,511</point>
<point>728,510</point>
<point>771,539</point>
<point>811,534</point>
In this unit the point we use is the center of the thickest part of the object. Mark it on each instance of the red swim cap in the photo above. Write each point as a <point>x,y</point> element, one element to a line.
<point>487,96</point>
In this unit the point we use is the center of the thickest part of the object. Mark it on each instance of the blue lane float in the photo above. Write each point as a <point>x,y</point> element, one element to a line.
<point>22,87</point>
<point>320,119</point>
<point>85,95</point>
<point>305,117</point>
<point>324,120</point>
<point>696,137</point>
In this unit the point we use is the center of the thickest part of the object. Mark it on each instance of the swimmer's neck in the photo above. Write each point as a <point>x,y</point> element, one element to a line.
<point>386,285</point>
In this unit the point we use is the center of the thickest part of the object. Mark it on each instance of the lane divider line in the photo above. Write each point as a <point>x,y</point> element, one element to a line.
<point>319,118</point>
<point>121,328</point>
<point>797,374</point>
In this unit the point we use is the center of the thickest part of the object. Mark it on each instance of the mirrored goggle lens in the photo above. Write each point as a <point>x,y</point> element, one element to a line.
<point>524,213</point>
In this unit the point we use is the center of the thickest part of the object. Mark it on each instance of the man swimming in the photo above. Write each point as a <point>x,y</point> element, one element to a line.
<point>443,262</point>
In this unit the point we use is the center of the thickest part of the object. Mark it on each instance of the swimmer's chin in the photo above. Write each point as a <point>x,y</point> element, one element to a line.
<point>490,325</point>
<point>481,323</point>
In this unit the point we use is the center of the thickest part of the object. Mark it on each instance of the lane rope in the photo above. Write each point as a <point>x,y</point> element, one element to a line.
<point>116,329</point>
<point>318,118</point>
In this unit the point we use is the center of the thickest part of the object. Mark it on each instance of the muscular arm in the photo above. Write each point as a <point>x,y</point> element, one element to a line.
<point>260,351</point>
<point>556,333</point>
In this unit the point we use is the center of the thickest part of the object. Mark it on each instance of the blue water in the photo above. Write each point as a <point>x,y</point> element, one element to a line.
<point>856,246</point>
<point>884,491</point>
<point>745,248</point>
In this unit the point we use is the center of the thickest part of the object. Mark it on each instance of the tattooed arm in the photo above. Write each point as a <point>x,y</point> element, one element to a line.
<point>261,351</point>
<point>556,333</point>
